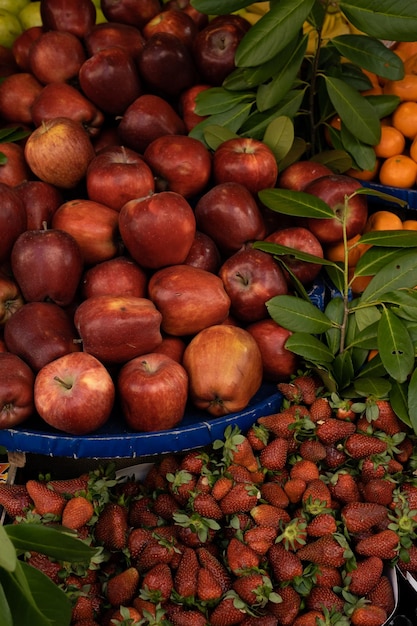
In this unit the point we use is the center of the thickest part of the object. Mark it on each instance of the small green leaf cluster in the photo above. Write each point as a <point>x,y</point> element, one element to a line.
<point>286,95</point>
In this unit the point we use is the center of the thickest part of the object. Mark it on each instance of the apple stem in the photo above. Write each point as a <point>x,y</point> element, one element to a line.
<point>62,382</point>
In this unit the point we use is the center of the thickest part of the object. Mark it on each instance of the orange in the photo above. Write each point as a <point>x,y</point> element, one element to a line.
<point>406,49</point>
<point>336,251</point>
<point>392,141</point>
<point>365,174</point>
<point>383,220</point>
<point>410,225</point>
<point>405,88</point>
<point>410,64</point>
<point>359,283</point>
<point>404,119</point>
<point>398,171</point>
<point>413,149</point>
<point>372,354</point>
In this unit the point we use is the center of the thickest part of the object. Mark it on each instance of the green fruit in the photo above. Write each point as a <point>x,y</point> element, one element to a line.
<point>30,15</point>
<point>14,6</point>
<point>10,28</point>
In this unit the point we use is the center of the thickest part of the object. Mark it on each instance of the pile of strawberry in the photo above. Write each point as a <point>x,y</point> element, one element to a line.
<point>294,523</point>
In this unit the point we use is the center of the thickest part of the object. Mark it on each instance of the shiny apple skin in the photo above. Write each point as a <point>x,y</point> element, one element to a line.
<point>12,220</point>
<point>119,276</point>
<point>16,390</point>
<point>134,12</point>
<point>17,94</point>
<point>279,363</point>
<point>204,253</point>
<point>73,16</point>
<point>56,56</point>
<point>11,299</point>
<point>298,175</point>
<point>41,200</point>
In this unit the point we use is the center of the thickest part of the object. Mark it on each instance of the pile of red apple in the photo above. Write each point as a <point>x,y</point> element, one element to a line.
<point>126,272</point>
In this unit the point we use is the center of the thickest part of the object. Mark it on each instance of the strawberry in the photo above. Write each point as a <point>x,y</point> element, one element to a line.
<point>285,564</point>
<point>259,620</point>
<point>122,588</point>
<point>274,494</point>
<point>379,490</point>
<point>239,474</point>
<point>362,516</point>
<point>208,560</point>
<point>242,497</point>
<point>330,431</point>
<point>365,576</point>
<point>208,587</point>
<point>321,524</point>
<point>137,540</point>
<point>274,456</point>
<point>302,389</point>
<point>194,462</point>
<point>226,613</point>
<point>207,506</point>
<point>371,467</point>
<point>381,416</point>
<point>289,607</point>
<point>77,512</point>
<point>335,457</point>
<point>157,583</point>
<point>368,615</point>
<point>126,614</point>
<point>384,544</point>
<point>286,423</point>
<point>342,408</point>
<point>260,538</point>
<point>258,437</point>
<point>320,409</point>
<point>70,486</point>
<point>221,487</point>
<point>305,469</point>
<point>295,488</point>
<point>253,588</point>
<point>312,450</point>
<point>241,557</point>
<point>185,579</point>
<point>316,496</point>
<point>15,499</point>
<point>294,534</point>
<point>325,550</point>
<point>46,500</point>
<point>343,487</point>
<point>382,594</point>
<point>310,618</point>
<point>141,512</point>
<point>111,526</point>
<point>243,454</point>
<point>158,550</point>
<point>405,449</point>
<point>188,617</point>
<point>269,515</point>
<point>165,505</point>
<point>321,598</point>
<point>181,484</point>
<point>327,576</point>
<point>84,608</point>
<point>45,565</point>
<point>359,445</point>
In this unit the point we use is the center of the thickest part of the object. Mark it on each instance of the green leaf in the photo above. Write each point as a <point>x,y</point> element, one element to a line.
<point>8,552</point>
<point>309,347</point>
<point>278,251</point>
<point>50,541</point>
<point>298,315</point>
<point>397,274</point>
<point>367,338</point>
<point>395,346</point>
<point>365,317</point>
<point>398,400</point>
<point>5,613</point>
<point>257,122</point>
<point>219,7</point>
<point>383,105</point>
<point>412,400</point>
<point>374,260</point>
<point>378,387</point>
<point>405,302</point>
<point>370,54</point>
<point>343,369</point>
<point>214,136</point>
<point>279,136</point>
<point>232,119</point>
<point>354,111</point>
<point>372,369</point>
<point>391,238</point>
<point>295,203</point>
<point>298,148</point>
<point>337,160</point>
<point>335,310</point>
<point>383,19</point>
<point>363,154</point>
<point>218,100</point>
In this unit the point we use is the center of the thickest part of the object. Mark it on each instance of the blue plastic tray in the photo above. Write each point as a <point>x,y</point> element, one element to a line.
<point>407,195</point>
<point>114,440</point>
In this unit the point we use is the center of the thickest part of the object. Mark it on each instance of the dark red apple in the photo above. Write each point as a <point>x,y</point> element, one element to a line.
<point>133,12</point>
<point>299,174</point>
<point>41,200</point>
<point>178,23</point>
<point>47,265</point>
<point>8,64</point>
<point>148,117</point>
<point>279,363</point>
<point>15,170</point>
<point>110,79</point>
<point>116,277</point>
<point>166,65</point>
<point>110,34</point>
<point>247,161</point>
<point>56,56</point>
<point>11,299</point>
<point>118,174</point>
<point>200,19</point>
<point>116,329</point>
<point>93,225</point>
<point>72,16</point>
<point>179,163</point>
<point>250,278</point>
<point>40,332</point>
<point>229,214</point>
<point>17,94</point>
<point>335,190</point>
<point>12,220</point>
<point>153,392</point>
<point>16,390</point>
<point>59,152</point>
<point>301,239</point>
<point>21,46</point>
<point>74,393</point>
<point>204,253</point>
<point>187,105</point>
<point>158,230</point>
<point>188,298</point>
<point>63,100</point>
<point>172,346</point>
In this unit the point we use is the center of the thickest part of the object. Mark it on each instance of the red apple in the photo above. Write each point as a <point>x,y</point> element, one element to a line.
<point>133,12</point>
<point>47,265</point>
<point>299,174</point>
<point>301,239</point>
<point>64,100</point>
<point>204,253</point>
<point>40,332</point>
<point>11,299</point>
<point>247,161</point>
<point>224,367</point>
<point>41,200</point>
<point>59,152</point>
<point>153,392</point>
<point>12,220</point>
<point>110,79</point>
<point>116,277</point>
<point>200,19</point>
<point>118,174</point>
<point>166,65</point>
<point>8,65</point>
<point>148,117</point>
<point>250,278</point>
<point>110,34</point>
<point>116,329</point>
<point>93,225</point>
<point>17,94</point>
<point>179,163</point>
<point>15,170</point>
<point>334,189</point>
<point>73,16</point>
<point>158,230</point>
<point>279,363</point>
<point>74,393</point>
<point>16,390</point>
<point>21,46</point>
<point>188,103</point>
<point>108,137</point>
<point>172,346</point>
<point>178,23</point>
<point>229,214</point>
<point>188,298</point>
<point>56,56</point>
